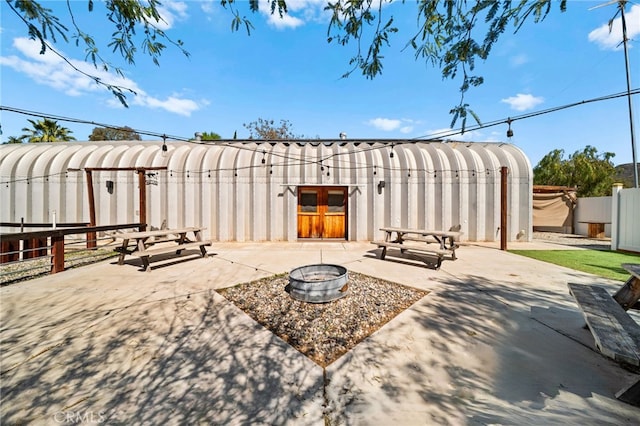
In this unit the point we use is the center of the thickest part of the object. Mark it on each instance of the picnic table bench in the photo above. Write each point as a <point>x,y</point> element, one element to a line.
<point>143,247</point>
<point>616,334</point>
<point>420,241</point>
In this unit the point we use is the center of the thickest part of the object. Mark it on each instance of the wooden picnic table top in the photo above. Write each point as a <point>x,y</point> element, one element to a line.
<point>633,269</point>
<point>157,233</point>
<point>423,232</point>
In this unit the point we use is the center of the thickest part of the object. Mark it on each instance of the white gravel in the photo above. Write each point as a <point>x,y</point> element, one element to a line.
<point>323,331</point>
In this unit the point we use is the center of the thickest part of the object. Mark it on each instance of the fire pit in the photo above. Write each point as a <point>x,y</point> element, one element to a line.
<point>318,283</point>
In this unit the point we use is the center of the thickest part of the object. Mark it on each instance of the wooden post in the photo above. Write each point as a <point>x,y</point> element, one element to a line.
<point>57,251</point>
<point>142,182</point>
<point>503,208</point>
<point>91,236</point>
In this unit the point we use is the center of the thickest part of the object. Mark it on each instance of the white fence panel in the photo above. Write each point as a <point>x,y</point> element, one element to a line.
<point>625,214</point>
<point>592,210</point>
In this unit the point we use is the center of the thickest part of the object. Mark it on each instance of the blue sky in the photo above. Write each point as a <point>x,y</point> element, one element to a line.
<point>286,70</point>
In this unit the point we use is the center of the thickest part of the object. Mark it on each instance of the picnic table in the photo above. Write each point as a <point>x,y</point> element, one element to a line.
<point>628,295</point>
<point>434,242</point>
<point>145,242</point>
<point>616,334</point>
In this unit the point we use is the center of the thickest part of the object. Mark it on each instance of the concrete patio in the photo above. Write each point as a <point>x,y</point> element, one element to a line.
<point>498,340</point>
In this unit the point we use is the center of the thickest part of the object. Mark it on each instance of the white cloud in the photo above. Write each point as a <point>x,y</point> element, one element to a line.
<point>522,102</point>
<point>385,124</point>
<point>51,70</point>
<point>518,60</point>
<point>283,22</point>
<point>170,12</point>
<point>404,125</point>
<point>612,39</point>
<point>298,13</point>
<point>172,104</point>
<point>207,6</point>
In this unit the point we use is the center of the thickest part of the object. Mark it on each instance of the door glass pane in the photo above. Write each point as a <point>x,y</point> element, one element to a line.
<point>309,202</point>
<point>335,201</point>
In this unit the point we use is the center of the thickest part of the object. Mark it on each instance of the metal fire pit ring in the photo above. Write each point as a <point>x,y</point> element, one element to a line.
<point>318,283</point>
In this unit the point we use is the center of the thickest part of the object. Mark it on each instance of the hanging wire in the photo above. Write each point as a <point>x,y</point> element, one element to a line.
<point>359,149</point>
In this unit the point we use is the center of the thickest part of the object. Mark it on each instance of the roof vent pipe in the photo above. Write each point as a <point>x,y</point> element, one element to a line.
<point>198,136</point>
<point>343,135</point>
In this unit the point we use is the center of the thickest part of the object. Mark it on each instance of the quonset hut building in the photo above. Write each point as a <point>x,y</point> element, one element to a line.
<point>272,190</point>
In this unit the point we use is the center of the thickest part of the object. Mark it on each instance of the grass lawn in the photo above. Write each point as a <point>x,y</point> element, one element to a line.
<point>598,262</point>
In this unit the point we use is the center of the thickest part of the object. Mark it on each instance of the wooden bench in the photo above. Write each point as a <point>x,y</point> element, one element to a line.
<point>438,253</point>
<point>145,242</point>
<point>145,254</point>
<point>616,334</point>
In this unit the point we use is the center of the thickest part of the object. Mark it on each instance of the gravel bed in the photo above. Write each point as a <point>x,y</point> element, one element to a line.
<point>29,269</point>
<point>573,240</point>
<point>323,331</point>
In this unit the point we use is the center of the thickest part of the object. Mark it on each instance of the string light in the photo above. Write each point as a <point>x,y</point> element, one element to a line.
<point>509,131</point>
<point>302,159</point>
<point>188,173</point>
<point>440,135</point>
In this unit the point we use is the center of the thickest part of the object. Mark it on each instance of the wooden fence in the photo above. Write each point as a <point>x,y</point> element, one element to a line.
<point>26,245</point>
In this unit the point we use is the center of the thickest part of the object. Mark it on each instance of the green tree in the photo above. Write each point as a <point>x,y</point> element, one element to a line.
<point>592,173</point>
<point>114,134</point>
<point>210,136</point>
<point>268,130</point>
<point>46,130</point>
<point>13,139</point>
<point>452,35</point>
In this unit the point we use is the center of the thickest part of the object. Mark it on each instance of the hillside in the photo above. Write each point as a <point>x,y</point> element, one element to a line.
<point>624,174</point>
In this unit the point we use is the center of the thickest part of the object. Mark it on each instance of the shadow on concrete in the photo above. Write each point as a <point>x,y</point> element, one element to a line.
<point>164,260</point>
<point>470,352</point>
<point>476,356</point>
<point>179,360</point>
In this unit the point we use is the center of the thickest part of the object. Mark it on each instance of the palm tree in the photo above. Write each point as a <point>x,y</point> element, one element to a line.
<point>13,139</point>
<point>46,130</point>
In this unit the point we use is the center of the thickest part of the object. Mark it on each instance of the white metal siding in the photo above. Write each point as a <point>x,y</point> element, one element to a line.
<point>225,187</point>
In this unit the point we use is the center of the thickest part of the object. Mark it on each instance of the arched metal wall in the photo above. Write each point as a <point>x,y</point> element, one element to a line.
<point>247,190</point>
